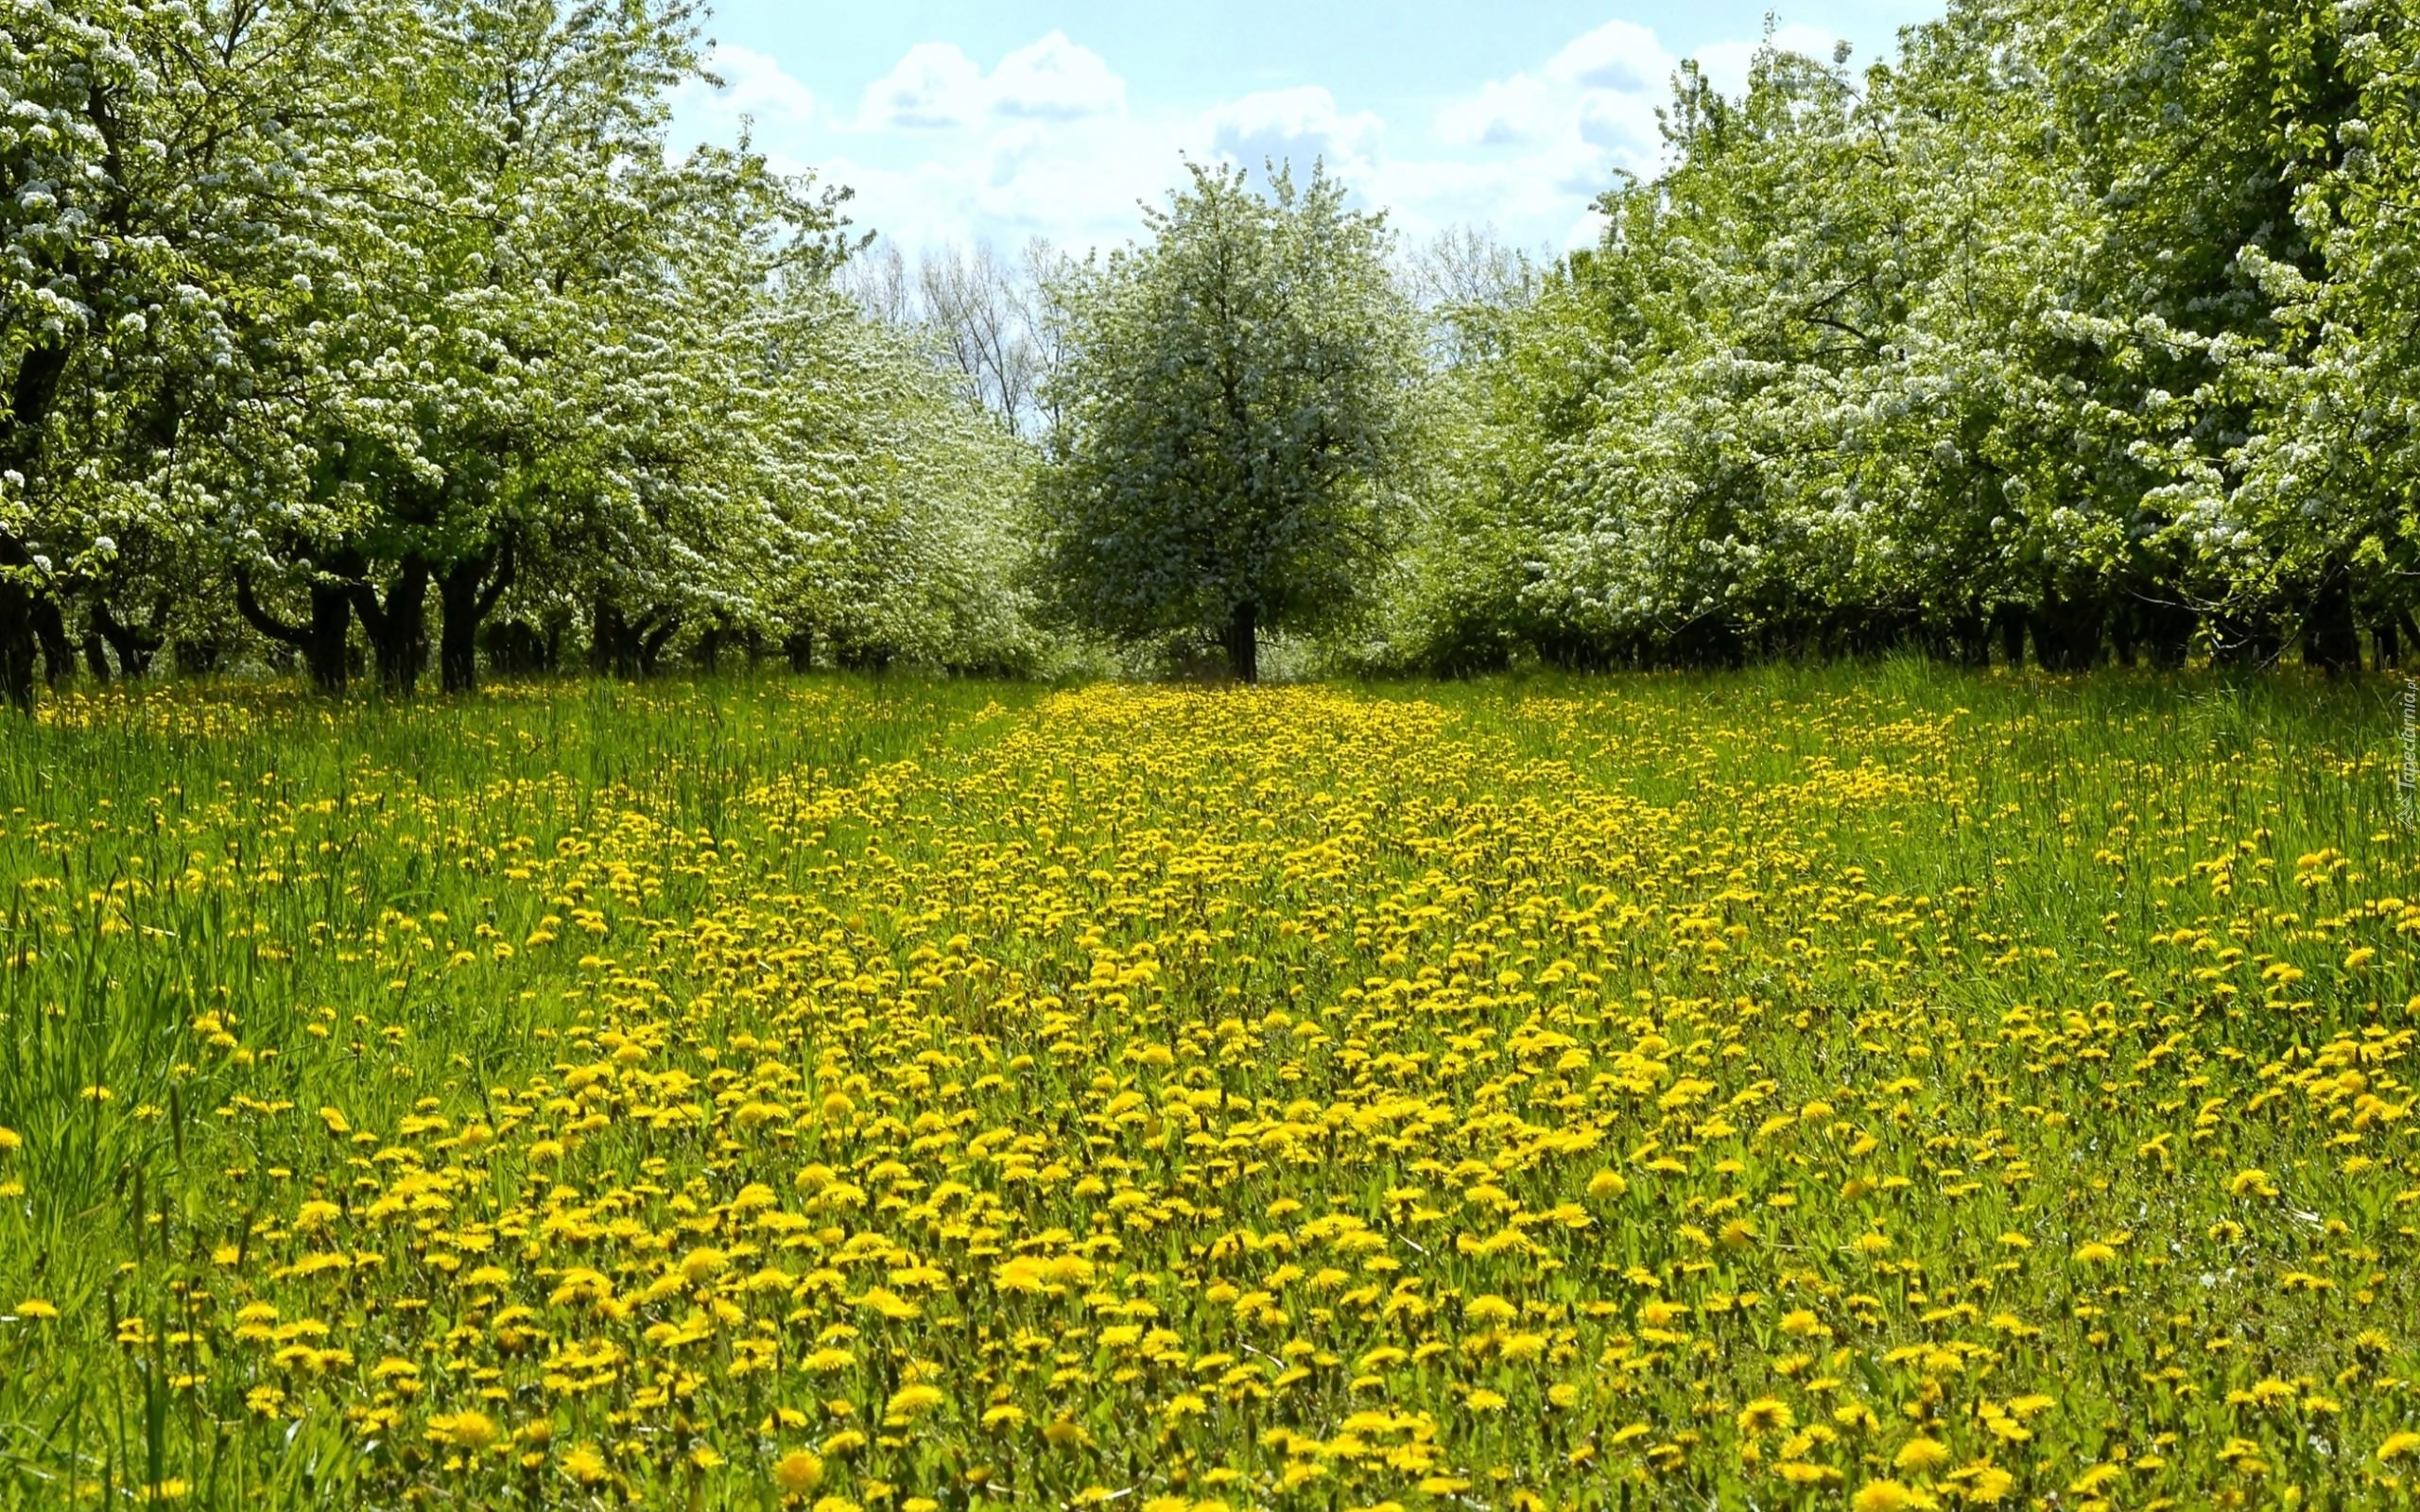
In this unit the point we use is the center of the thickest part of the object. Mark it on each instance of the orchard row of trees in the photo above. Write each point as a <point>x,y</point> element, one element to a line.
<point>2071,330</point>
<point>2088,328</point>
<point>322,320</point>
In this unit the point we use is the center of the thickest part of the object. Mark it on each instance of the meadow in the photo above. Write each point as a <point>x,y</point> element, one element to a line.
<point>1875,1087</point>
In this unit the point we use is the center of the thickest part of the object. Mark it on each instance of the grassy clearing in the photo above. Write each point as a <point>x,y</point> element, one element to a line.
<point>1875,1087</point>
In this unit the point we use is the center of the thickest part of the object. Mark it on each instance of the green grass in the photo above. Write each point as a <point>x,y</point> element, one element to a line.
<point>2117,966</point>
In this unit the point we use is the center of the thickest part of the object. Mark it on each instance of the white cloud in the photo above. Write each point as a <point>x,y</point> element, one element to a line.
<point>754,86</point>
<point>934,85</point>
<point>1620,56</point>
<point>1535,148</point>
<point>1293,124</point>
<point>1055,79</point>
<point>1725,65</point>
<point>1504,113</point>
<point>1048,141</point>
<point>1546,143</point>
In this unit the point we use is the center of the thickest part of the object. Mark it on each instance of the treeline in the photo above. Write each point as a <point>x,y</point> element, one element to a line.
<point>2086,331</point>
<point>398,342</point>
<point>384,339</point>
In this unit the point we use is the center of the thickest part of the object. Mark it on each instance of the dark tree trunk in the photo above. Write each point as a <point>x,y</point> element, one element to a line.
<point>2166,631</point>
<point>515,648</point>
<point>798,645</point>
<point>1964,641</point>
<point>2332,637</point>
<point>2125,633</point>
<point>466,596</point>
<point>2009,620</point>
<point>398,628</point>
<point>19,640</point>
<point>1708,642</point>
<point>135,647</point>
<point>1241,641</point>
<point>2067,631</point>
<point>2387,645</point>
<point>96,655</point>
<point>50,631</point>
<point>30,398</point>
<point>321,639</point>
<point>607,634</point>
<point>2246,639</point>
<point>651,642</point>
<point>624,648</point>
<point>17,645</point>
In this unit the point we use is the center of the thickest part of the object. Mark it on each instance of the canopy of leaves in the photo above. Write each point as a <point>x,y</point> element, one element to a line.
<point>1233,404</point>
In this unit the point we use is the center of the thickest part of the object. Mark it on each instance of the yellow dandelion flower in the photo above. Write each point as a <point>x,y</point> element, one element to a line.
<point>585,1465</point>
<point>1766,1415</point>
<point>910,1402</point>
<point>1920,1456</point>
<point>2252,1182</point>
<point>470,1430</point>
<point>1888,1496</point>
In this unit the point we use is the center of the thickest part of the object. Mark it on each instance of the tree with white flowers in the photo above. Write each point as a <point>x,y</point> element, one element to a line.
<point>1235,423</point>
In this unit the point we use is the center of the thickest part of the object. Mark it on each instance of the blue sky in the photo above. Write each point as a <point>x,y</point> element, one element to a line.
<point>958,121</point>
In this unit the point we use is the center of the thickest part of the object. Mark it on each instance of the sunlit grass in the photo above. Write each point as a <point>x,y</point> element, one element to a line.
<point>1868,1086</point>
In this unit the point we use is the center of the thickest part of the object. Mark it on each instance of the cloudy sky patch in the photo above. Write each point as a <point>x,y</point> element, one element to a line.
<point>1010,121</point>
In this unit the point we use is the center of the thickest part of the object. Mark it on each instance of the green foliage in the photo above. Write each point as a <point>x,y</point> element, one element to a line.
<point>2068,324</point>
<point>1232,419</point>
<point>336,315</point>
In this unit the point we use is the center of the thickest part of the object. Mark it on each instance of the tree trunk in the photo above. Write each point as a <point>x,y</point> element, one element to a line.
<point>2009,620</point>
<point>2246,639</point>
<point>623,647</point>
<point>17,645</point>
<point>2067,631</point>
<point>1242,642</point>
<point>135,647</point>
<point>321,638</point>
<point>50,631</point>
<point>606,632</point>
<point>798,645</point>
<point>2331,639</point>
<point>398,628</point>
<point>2166,630</point>
<point>466,596</point>
<point>651,643</point>
<point>1965,639</point>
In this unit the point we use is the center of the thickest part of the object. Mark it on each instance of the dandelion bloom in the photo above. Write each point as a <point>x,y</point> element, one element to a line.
<point>798,1472</point>
<point>470,1430</point>
<point>1888,1496</point>
<point>1920,1456</point>
<point>1766,1415</point>
<point>585,1465</point>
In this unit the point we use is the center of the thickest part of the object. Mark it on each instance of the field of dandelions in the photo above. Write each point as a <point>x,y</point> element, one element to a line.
<point>1872,1090</point>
